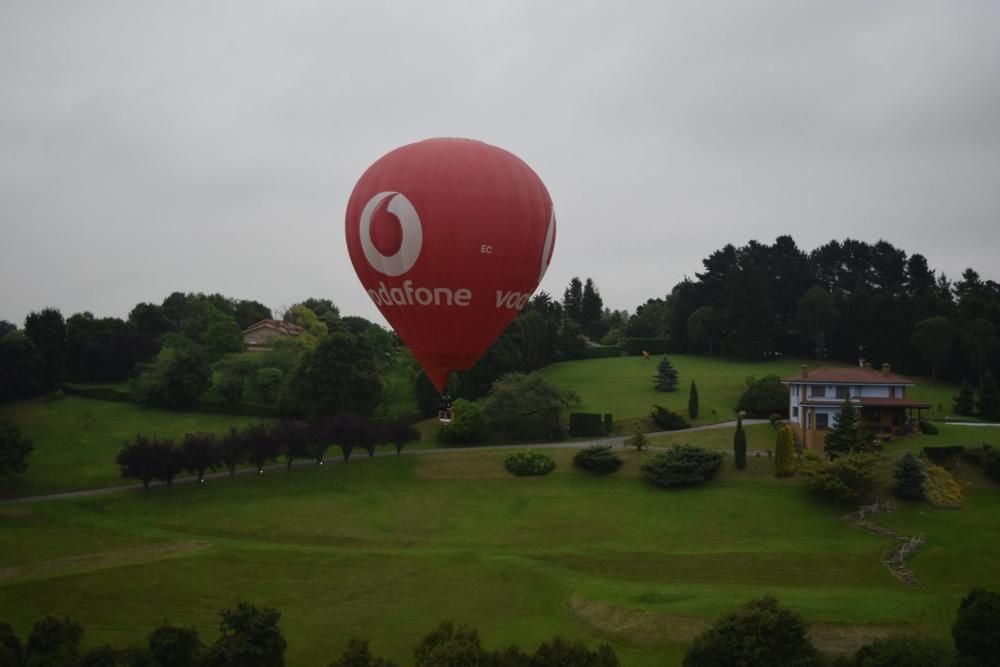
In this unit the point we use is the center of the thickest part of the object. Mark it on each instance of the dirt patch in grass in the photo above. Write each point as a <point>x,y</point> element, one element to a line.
<point>647,628</point>
<point>98,561</point>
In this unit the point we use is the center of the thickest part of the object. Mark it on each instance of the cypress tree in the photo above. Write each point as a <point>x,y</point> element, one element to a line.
<point>666,376</point>
<point>784,452</point>
<point>965,401</point>
<point>988,402</point>
<point>848,435</point>
<point>693,401</point>
<point>740,443</point>
<point>909,476</point>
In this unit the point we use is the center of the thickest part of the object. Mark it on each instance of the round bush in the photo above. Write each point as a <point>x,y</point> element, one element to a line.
<point>529,463</point>
<point>682,465</point>
<point>599,458</point>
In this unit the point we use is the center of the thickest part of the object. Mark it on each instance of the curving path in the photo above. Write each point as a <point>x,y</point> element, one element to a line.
<point>578,444</point>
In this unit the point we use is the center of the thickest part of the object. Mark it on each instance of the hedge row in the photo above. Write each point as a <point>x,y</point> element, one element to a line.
<point>636,346</point>
<point>98,393</point>
<point>603,352</point>
<point>590,423</point>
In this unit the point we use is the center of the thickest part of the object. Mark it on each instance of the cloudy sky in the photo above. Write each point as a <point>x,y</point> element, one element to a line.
<point>149,147</point>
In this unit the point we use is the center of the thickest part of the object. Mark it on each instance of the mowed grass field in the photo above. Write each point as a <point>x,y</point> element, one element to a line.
<point>76,439</point>
<point>623,386</point>
<point>386,548</point>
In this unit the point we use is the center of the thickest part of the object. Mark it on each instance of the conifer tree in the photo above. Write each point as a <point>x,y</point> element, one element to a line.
<point>848,435</point>
<point>909,476</point>
<point>784,452</point>
<point>693,401</point>
<point>740,443</point>
<point>988,401</point>
<point>965,401</point>
<point>666,376</point>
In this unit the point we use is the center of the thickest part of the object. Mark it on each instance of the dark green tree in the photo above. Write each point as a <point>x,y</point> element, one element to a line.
<point>399,432</point>
<point>988,399</point>
<point>979,344</point>
<point>816,314</point>
<point>693,401</point>
<point>176,378</point>
<point>932,340</point>
<point>150,323</point>
<point>758,634</point>
<point>141,459</point>
<point>706,327</point>
<point>6,328</point>
<point>557,652</point>
<point>250,312</point>
<point>22,367</point>
<point>591,309</point>
<point>339,375</point>
<point>667,419</point>
<point>764,397</point>
<point>357,654</point>
<point>468,425</point>
<point>11,651</point>
<point>199,452</point>
<point>47,330</point>
<point>740,444</point>
<point>292,438</point>
<point>448,646</point>
<point>261,445</point>
<point>784,452</point>
<point>977,628</point>
<point>848,435</point>
<point>232,450</point>
<point>909,477</point>
<point>14,450</point>
<point>250,637</point>
<point>170,646</point>
<point>526,407</point>
<point>965,402</point>
<point>573,301</point>
<point>666,376</point>
<point>53,642</point>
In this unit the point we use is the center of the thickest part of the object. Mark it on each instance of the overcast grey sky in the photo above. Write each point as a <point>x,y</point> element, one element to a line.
<point>149,147</point>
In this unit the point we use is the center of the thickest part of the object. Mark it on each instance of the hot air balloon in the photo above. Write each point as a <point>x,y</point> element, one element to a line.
<point>449,238</point>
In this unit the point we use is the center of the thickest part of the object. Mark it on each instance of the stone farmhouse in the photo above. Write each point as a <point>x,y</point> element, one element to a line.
<point>815,398</point>
<point>260,335</point>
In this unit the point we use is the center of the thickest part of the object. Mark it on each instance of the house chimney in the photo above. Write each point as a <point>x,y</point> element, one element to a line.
<point>805,371</point>
<point>885,370</point>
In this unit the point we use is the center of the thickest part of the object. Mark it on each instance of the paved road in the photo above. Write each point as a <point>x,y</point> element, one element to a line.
<point>575,444</point>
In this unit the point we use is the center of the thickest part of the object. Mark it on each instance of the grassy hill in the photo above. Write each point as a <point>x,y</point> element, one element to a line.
<point>624,385</point>
<point>386,548</point>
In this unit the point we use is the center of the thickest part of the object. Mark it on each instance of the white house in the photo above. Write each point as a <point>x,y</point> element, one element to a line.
<point>815,399</point>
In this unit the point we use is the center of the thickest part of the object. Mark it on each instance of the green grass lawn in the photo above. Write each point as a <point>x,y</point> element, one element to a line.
<point>76,439</point>
<point>386,548</point>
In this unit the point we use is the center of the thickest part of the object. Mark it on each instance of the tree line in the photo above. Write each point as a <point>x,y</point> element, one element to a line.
<point>149,459</point>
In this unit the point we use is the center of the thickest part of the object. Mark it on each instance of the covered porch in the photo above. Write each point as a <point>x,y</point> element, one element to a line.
<point>888,417</point>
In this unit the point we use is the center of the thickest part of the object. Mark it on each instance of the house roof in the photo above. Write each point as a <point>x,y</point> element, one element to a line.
<point>847,375</point>
<point>277,325</point>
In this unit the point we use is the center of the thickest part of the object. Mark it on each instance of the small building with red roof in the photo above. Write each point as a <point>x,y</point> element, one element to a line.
<point>815,398</point>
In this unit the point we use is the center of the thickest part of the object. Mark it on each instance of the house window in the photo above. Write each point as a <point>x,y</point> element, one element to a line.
<point>822,421</point>
<point>817,390</point>
<point>252,340</point>
<point>795,411</point>
<point>843,392</point>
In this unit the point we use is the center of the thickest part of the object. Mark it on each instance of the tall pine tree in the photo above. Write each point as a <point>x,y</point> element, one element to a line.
<point>573,301</point>
<point>740,443</point>
<point>848,435</point>
<point>988,402</point>
<point>666,376</point>
<point>965,402</point>
<point>693,401</point>
<point>909,476</point>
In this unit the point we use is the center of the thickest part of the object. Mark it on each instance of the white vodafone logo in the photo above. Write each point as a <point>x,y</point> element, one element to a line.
<point>413,234</point>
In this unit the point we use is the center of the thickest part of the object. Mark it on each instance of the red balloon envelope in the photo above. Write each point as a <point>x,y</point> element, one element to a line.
<point>450,237</point>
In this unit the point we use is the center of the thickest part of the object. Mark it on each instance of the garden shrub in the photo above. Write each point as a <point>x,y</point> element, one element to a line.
<point>991,464</point>
<point>848,478</point>
<point>927,428</point>
<point>909,476</point>
<point>609,422</point>
<point>586,423</point>
<point>526,407</point>
<point>977,628</point>
<point>976,455</point>
<point>529,463</point>
<point>784,452</point>
<point>602,351</point>
<point>668,420</point>
<point>599,458</point>
<point>941,489</point>
<point>946,457</point>
<point>764,397</point>
<point>637,440</point>
<point>913,651</point>
<point>682,465</point>
<point>740,444</point>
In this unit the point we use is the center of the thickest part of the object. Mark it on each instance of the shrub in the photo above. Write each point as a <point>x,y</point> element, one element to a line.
<point>976,455</point>
<point>529,463</point>
<point>991,464</point>
<point>14,450</point>
<point>467,426</point>
<point>526,407</point>
<point>909,651</point>
<point>927,428</point>
<point>740,444</point>
<point>946,457</point>
<point>668,420</point>
<point>637,440</point>
<point>965,401</point>
<point>682,465</point>
<point>666,376</point>
<point>586,423</point>
<point>977,628</point>
<point>636,346</point>
<point>847,478</point>
<point>941,489</point>
<point>599,458</point>
<point>602,351</point>
<point>764,397</point>
<point>693,401</point>
<point>784,452</point>
<point>758,634</point>
<point>909,475</point>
